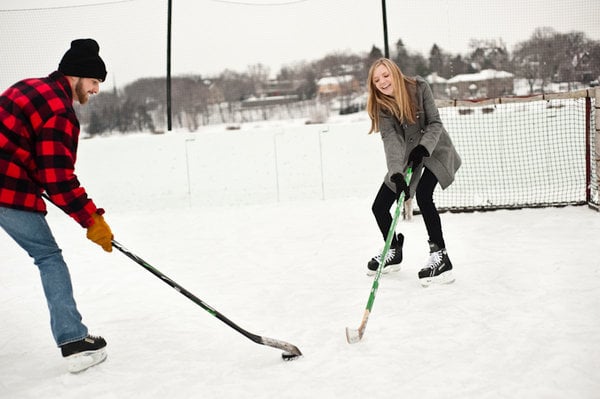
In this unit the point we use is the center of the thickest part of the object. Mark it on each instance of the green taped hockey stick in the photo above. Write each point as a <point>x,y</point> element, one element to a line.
<point>352,335</point>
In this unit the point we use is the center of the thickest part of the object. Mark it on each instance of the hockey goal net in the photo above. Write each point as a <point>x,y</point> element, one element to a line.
<point>519,152</point>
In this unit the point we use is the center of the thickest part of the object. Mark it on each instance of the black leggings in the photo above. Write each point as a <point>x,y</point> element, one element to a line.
<point>386,197</point>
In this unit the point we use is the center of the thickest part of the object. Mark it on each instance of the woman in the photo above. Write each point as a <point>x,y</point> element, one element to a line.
<point>403,110</point>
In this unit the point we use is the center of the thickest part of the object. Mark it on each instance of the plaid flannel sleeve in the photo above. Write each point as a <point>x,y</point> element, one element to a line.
<point>56,149</point>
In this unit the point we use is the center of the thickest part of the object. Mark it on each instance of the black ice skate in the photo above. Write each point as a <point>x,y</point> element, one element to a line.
<point>393,257</point>
<point>438,269</point>
<point>85,353</point>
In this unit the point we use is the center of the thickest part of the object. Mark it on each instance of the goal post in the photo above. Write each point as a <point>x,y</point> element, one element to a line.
<point>595,187</point>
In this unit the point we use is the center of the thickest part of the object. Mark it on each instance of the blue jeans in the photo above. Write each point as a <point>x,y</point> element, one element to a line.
<point>31,231</point>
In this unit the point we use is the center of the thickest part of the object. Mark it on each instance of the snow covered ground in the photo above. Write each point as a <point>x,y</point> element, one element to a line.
<point>521,321</point>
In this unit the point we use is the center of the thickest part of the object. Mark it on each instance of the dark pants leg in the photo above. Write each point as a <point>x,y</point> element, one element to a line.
<point>385,198</point>
<point>431,217</point>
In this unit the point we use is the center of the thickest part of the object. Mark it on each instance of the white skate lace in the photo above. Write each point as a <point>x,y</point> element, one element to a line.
<point>435,258</point>
<point>388,256</point>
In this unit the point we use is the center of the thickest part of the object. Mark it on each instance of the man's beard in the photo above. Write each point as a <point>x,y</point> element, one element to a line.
<point>82,95</point>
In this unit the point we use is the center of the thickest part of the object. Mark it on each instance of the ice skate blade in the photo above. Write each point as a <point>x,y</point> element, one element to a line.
<point>386,270</point>
<point>444,278</point>
<point>81,361</point>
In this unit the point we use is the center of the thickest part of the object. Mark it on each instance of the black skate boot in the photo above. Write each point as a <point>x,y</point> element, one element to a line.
<point>438,269</point>
<point>85,353</point>
<point>392,258</point>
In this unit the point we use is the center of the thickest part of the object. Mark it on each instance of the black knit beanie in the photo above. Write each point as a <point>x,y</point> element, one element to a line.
<point>82,60</point>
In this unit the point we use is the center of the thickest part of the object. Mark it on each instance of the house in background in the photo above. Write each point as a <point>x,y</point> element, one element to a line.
<point>438,85</point>
<point>487,83</point>
<point>333,86</point>
<point>274,92</point>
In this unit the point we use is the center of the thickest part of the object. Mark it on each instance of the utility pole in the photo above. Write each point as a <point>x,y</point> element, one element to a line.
<point>385,33</point>
<point>170,5</point>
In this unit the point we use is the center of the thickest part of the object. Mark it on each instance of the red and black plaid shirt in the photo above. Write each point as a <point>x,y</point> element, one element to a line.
<point>39,132</point>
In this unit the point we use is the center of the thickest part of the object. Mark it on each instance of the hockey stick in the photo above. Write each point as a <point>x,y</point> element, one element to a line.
<point>291,352</point>
<point>355,335</point>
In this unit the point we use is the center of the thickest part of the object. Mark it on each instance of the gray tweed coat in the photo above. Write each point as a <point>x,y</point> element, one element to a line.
<point>399,139</point>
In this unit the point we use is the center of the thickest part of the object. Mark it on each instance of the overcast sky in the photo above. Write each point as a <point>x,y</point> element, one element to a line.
<point>211,35</point>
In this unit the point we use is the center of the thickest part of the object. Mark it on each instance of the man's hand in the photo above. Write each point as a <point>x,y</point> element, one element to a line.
<point>100,233</point>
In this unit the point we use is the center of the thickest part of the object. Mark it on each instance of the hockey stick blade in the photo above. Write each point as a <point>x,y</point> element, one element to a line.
<point>291,352</point>
<point>352,335</point>
<point>355,335</point>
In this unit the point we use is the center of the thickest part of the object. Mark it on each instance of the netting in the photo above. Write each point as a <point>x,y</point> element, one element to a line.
<point>522,152</point>
<point>540,151</point>
<point>132,35</point>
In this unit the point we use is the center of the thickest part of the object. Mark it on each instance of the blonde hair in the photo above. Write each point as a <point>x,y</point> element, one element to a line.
<point>401,104</point>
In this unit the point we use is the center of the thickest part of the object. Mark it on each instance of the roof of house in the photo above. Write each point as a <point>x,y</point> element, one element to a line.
<point>485,74</point>
<point>334,80</point>
<point>435,78</point>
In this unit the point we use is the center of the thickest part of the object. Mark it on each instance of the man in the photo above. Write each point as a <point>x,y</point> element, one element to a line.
<point>39,131</point>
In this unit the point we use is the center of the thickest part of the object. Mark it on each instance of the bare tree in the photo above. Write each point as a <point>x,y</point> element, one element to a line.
<point>536,58</point>
<point>490,54</point>
<point>549,56</point>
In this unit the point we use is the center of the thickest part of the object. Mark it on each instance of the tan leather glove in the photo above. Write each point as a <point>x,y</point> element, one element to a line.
<point>100,233</point>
